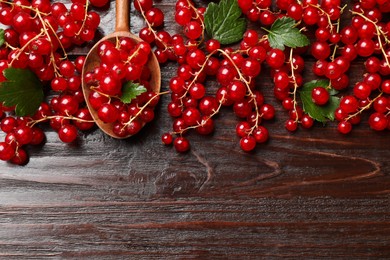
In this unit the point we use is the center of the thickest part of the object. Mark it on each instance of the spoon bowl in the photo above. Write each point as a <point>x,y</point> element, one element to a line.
<point>92,61</point>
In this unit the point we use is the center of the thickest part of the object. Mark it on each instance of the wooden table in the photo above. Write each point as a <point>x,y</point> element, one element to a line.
<point>310,194</point>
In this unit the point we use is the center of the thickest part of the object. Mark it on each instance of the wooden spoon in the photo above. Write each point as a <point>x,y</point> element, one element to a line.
<point>92,60</point>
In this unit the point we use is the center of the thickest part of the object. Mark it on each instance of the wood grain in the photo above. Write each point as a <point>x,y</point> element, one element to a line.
<point>310,194</point>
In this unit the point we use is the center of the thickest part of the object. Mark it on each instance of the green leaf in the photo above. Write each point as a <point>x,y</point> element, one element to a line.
<point>284,33</point>
<point>22,89</point>
<point>130,91</point>
<point>319,113</point>
<point>223,22</point>
<point>2,40</point>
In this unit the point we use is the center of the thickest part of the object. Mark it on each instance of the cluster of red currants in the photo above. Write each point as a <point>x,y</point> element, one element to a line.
<point>368,36</point>
<point>40,33</point>
<point>192,106</point>
<point>37,36</point>
<point>334,48</point>
<point>121,62</point>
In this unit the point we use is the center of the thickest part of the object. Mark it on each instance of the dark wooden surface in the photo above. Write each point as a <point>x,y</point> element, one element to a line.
<point>310,194</point>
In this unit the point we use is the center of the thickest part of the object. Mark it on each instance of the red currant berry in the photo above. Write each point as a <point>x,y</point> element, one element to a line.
<point>191,116</point>
<point>20,157</point>
<point>267,111</point>
<point>226,74</point>
<point>7,152</point>
<point>291,125</point>
<point>248,143</point>
<point>344,127</point>
<point>38,136</point>
<point>181,144</point>
<point>167,139</point>
<point>23,134</point>
<point>261,134</point>
<point>236,90</point>
<point>320,96</point>
<point>206,126</point>
<point>307,122</point>
<point>251,67</point>
<point>243,128</point>
<point>362,90</point>
<point>349,104</point>
<point>108,113</point>
<point>320,50</point>
<point>378,121</point>
<point>67,133</point>
<point>193,30</point>
<point>275,58</point>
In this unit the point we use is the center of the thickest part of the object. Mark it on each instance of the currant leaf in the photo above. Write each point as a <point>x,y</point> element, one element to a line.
<point>223,21</point>
<point>319,113</point>
<point>284,33</point>
<point>23,90</point>
<point>2,40</point>
<point>130,91</point>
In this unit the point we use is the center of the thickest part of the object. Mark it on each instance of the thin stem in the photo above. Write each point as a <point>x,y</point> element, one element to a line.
<point>247,83</point>
<point>152,30</point>
<point>85,18</point>
<point>132,55</point>
<point>198,18</point>
<point>34,122</point>
<point>95,88</point>
<point>364,108</point>
<point>26,45</point>
<point>295,84</point>
<point>326,14</point>
<point>196,75</point>
<point>379,33</point>
<point>215,111</point>
<point>143,108</point>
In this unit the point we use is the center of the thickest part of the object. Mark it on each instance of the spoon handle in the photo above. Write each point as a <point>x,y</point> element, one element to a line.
<point>122,16</point>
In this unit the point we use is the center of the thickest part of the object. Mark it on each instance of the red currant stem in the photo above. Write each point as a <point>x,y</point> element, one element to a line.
<point>215,111</point>
<point>265,9</point>
<point>7,45</point>
<point>343,8</point>
<point>263,38</point>
<point>295,84</point>
<point>364,108</point>
<point>198,18</point>
<point>379,33</point>
<point>34,122</point>
<point>326,14</point>
<point>143,108</point>
<point>44,24</point>
<point>24,7</point>
<point>336,46</point>
<point>132,55</point>
<point>52,58</point>
<point>26,45</point>
<point>196,75</point>
<point>243,79</point>
<point>94,88</point>
<point>85,18</point>
<point>151,28</point>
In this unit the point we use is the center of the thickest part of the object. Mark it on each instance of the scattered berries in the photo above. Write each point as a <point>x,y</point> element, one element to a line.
<point>38,35</point>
